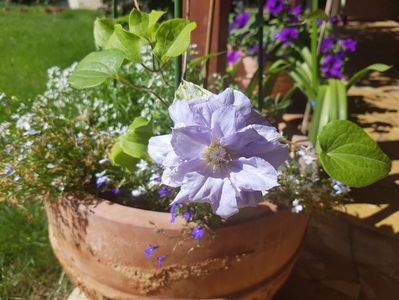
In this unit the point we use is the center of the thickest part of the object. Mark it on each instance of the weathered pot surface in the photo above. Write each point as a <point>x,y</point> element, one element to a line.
<point>101,246</point>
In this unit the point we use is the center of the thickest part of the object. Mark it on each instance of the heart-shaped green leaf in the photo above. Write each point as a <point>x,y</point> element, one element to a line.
<point>173,38</point>
<point>95,68</point>
<point>349,155</point>
<point>103,29</point>
<point>143,24</point>
<point>132,146</point>
<point>127,42</point>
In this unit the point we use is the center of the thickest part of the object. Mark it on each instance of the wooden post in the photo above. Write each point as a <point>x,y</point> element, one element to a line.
<point>198,11</point>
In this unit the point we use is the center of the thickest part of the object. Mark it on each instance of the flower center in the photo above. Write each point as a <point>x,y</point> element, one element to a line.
<point>216,156</point>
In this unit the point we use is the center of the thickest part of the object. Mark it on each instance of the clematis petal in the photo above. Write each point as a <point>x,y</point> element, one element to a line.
<point>181,114</point>
<point>228,205</point>
<point>174,176</point>
<point>189,142</point>
<point>224,121</point>
<point>159,147</point>
<point>253,174</point>
<point>247,198</point>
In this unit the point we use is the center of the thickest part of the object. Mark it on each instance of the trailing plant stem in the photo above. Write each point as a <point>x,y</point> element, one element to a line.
<point>143,89</point>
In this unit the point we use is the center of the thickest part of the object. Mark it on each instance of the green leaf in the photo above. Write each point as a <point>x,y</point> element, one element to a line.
<point>143,24</point>
<point>188,91</point>
<point>103,29</point>
<point>359,75</point>
<point>173,38</point>
<point>202,59</point>
<point>132,146</point>
<point>349,155</point>
<point>96,68</point>
<point>127,42</point>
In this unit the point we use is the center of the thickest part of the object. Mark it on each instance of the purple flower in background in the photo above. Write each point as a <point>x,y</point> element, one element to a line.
<point>233,56</point>
<point>253,50</point>
<point>332,67</point>
<point>295,13</point>
<point>160,260</point>
<point>198,232</point>
<point>319,22</point>
<point>327,45</point>
<point>165,192</point>
<point>274,7</point>
<point>333,20</point>
<point>220,152</point>
<point>349,45</point>
<point>287,35</point>
<point>240,21</point>
<point>150,249</point>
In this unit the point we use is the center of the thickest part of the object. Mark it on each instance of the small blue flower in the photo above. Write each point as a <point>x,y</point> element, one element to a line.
<point>188,214</point>
<point>173,212</point>
<point>148,252</point>
<point>339,188</point>
<point>160,260</point>
<point>198,232</point>
<point>165,192</point>
<point>116,191</point>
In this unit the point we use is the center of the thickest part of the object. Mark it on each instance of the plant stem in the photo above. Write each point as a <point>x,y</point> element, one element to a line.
<point>315,65</point>
<point>143,89</point>
<point>260,56</point>
<point>178,60</point>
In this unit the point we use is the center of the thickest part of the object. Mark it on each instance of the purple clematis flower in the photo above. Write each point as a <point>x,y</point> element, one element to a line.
<point>198,232</point>
<point>349,45</point>
<point>240,21</point>
<point>274,7</point>
<point>233,56</point>
<point>150,249</point>
<point>220,152</point>
<point>287,35</point>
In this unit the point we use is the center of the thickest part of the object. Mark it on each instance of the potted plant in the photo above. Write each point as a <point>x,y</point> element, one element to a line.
<point>209,209</point>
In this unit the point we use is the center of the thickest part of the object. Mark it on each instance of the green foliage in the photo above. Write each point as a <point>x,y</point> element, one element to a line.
<point>96,68</point>
<point>103,29</point>
<point>31,46</point>
<point>359,75</point>
<point>331,105</point>
<point>173,38</point>
<point>144,25</point>
<point>125,41</point>
<point>132,146</point>
<point>349,155</point>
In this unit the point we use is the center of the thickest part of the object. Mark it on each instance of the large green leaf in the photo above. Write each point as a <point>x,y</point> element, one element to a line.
<point>95,68</point>
<point>359,75</point>
<point>132,146</point>
<point>173,38</point>
<point>103,29</point>
<point>349,155</point>
<point>127,42</point>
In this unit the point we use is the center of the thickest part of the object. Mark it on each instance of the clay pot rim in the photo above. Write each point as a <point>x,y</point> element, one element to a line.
<point>115,212</point>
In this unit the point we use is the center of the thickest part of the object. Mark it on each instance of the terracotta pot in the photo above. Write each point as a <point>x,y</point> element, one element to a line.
<point>101,246</point>
<point>247,70</point>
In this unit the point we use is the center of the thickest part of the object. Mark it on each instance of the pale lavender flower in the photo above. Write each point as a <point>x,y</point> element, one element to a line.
<point>220,152</point>
<point>160,260</point>
<point>101,179</point>
<point>198,232</point>
<point>150,249</point>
